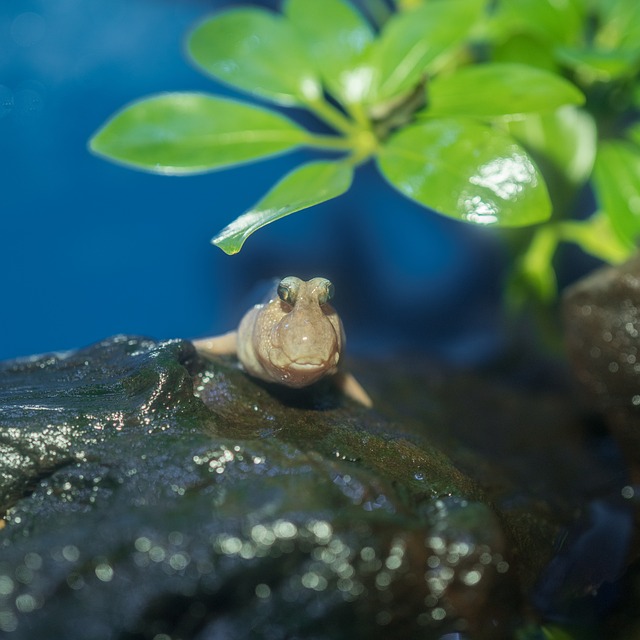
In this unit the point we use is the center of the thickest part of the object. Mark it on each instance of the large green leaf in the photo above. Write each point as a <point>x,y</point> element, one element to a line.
<point>184,133</point>
<point>413,42</point>
<point>492,90</point>
<point>256,51</point>
<point>336,36</point>
<point>467,171</point>
<point>617,182</point>
<point>304,187</point>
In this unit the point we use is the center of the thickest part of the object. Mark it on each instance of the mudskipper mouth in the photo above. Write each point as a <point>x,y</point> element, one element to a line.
<point>315,362</point>
<point>307,366</point>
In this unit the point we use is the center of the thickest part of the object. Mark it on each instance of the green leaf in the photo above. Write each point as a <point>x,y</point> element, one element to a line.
<point>594,65</point>
<point>186,133</point>
<point>256,51</point>
<point>406,5</point>
<point>493,90</point>
<point>304,187</point>
<point>467,171</point>
<point>616,178</point>
<point>414,42</point>
<point>633,132</point>
<point>620,24</point>
<point>525,48</point>
<point>552,21</point>
<point>336,36</point>
<point>596,236</point>
<point>566,138</point>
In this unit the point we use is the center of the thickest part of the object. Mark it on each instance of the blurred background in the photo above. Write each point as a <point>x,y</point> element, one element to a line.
<point>89,249</point>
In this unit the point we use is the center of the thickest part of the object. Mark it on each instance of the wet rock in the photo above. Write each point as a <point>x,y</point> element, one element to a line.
<point>148,493</point>
<point>602,320</point>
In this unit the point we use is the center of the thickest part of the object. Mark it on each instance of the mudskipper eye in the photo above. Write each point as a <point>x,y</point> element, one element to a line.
<point>327,293</point>
<point>288,290</point>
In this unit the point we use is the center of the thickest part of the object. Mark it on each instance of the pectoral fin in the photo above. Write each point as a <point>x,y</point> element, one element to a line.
<point>352,388</point>
<point>218,345</point>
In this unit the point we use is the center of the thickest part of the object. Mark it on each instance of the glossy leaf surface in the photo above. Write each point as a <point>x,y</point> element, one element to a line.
<point>491,90</point>
<point>256,51</point>
<point>336,36</point>
<point>617,182</point>
<point>467,171</point>
<point>414,41</point>
<point>183,133</point>
<point>304,187</point>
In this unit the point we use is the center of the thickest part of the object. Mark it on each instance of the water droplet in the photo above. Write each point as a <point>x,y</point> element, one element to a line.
<point>6,585</point>
<point>104,572</point>
<point>438,613</point>
<point>627,492</point>
<point>25,603</point>
<point>70,553</point>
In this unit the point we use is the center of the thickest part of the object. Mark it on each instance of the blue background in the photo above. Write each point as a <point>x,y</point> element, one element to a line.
<point>89,249</point>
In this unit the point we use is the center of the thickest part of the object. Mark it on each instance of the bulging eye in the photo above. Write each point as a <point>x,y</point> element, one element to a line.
<point>288,290</point>
<point>327,293</point>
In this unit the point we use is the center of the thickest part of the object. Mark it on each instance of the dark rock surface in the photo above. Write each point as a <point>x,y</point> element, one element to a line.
<point>147,493</point>
<point>602,317</point>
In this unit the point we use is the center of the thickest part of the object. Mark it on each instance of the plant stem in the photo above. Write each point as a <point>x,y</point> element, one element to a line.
<point>364,144</point>
<point>332,143</point>
<point>332,116</point>
<point>542,247</point>
<point>536,261</point>
<point>359,114</point>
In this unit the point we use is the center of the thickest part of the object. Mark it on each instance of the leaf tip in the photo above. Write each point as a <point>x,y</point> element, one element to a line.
<point>222,243</point>
<point>93,145</point>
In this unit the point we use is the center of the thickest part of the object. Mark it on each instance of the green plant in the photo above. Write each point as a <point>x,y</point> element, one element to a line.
<point>596,45</point>
<point>453,99</point>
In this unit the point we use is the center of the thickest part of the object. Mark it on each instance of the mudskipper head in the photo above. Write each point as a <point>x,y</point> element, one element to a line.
<point>306,337</point>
